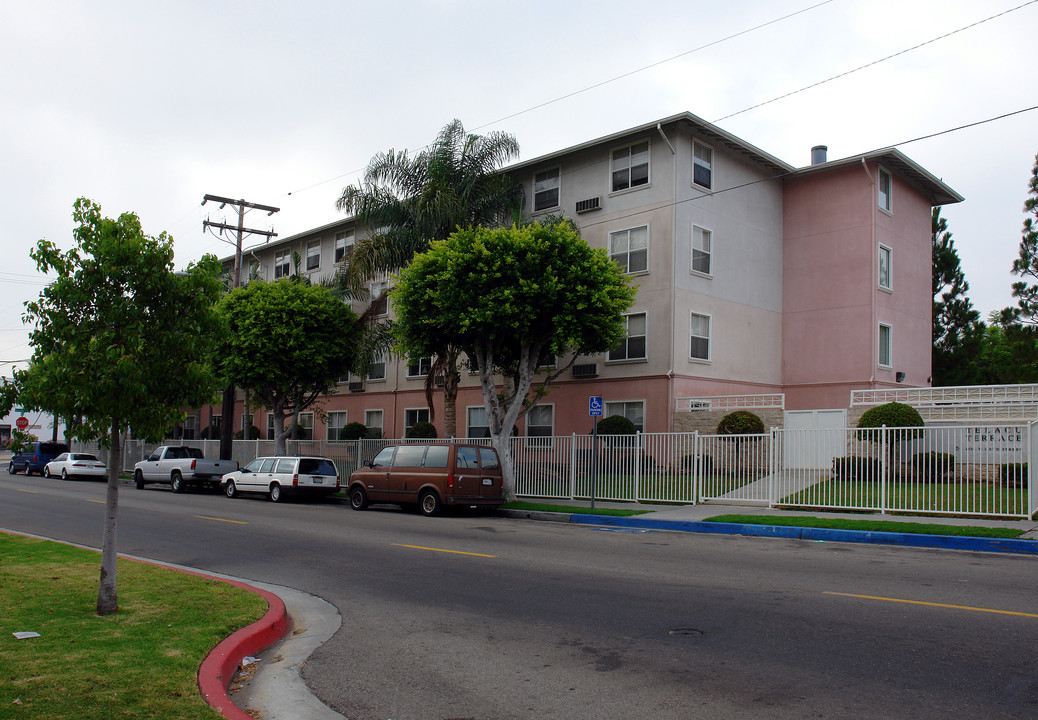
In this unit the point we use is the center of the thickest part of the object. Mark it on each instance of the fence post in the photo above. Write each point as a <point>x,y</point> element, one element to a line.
<point>637,465</point>
<point>573,466</point>
<point>772,468</point>
<point>697,471</point>
<point>884,468</point>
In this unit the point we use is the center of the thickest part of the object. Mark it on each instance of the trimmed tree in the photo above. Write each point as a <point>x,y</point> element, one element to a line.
<point>121,341</point>
<point>288,343</point>
<point>511,298</point>
<point>905,419</point>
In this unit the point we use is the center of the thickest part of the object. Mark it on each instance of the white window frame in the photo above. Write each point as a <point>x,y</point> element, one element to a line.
<point>540,439</point>
<point>271,430</point>
<point>190,427</point>
<point>709,333</point>
<point>337,420</point>
<point>885,197</point>
<point>885,348</point>
<point>542,184</point>
<point>418,414</point>
<point>370,415</point>
<point>313,255</point>
<point>282,264</point>
<point>706,163</point>
<point>705,248</point>
<point>886,262</point>
<point>469,424</point>
<point>625,343</point>
<point>343,246</point>
<point>614,167</point>
<point>420,369</point>
<point>383,361</point>
<point>626,254</point>
<point>611,408</point>
<point>305,426</point>
<point>376,289</point>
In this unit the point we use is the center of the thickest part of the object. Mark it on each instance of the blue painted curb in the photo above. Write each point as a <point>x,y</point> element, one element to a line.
<point>945,542</point>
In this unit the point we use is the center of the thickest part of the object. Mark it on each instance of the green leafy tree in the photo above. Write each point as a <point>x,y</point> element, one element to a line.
<point>408,201</point>
<point>957,330</point>
<point>510,298</point>
<point>1026,264</point>
<point>288,343</point>
<point>121,340</point>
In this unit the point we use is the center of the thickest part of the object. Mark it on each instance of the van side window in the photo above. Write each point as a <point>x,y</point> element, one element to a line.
<point>409,456</point>
<point>488,459</point>
<point>437,456</point>
<point>384,457</point>
<point>467,458</point>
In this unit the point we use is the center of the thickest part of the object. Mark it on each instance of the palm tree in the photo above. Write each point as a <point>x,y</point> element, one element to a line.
<point>406,202</point>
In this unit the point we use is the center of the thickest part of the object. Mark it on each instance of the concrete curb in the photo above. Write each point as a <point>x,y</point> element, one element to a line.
<point>945,542</point>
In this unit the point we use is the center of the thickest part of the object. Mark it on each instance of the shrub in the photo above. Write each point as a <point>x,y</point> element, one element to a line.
<point>856,468</point>
<point>254,434</point>
<point>209,432</point>
<point>1012,474</point>
<point>933,466</point>
<point>422,430</point>
<point>353,431</point>
<point>616,425</point>
<point>893,414</point>
<point>740,422</point>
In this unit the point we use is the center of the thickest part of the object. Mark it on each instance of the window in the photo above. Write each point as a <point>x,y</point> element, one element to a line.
<point>282,264</point>
<point>420,368</point>
<point>190,426</point>
<point>632,410</point>
<point>436,456</point>
<point>373,422</point>
<point>885,343</point>
<point>884,191</point>
<point>630,249</point>
<point>631,347</point>
<point>630,166</point>
<point>478,425</point>
<point>270,426</point>
<point>546,189</point>
<point>215,421</point>
<point>379,299</point>
<point>305,428</point>
<point>247,423</point>
<point>540,425</point>
<point>336,422</point>
<point>700,331</point>
<point>701,252</point>
<point>377,368</point>
<point>702,165</point>
<point>313,255</point>
<point>413,416</point>
<point>885,256</point>
<point>343,246</point>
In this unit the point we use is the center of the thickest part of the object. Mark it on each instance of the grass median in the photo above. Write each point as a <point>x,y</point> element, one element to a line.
<point>141,662</point>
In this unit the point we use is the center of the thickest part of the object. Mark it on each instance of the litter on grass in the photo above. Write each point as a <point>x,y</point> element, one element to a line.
<point>26,635</point>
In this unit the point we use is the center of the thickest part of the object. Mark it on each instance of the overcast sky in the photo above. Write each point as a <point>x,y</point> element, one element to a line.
<point>147,106</point>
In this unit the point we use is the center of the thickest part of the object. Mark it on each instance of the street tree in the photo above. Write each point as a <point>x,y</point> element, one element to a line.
<point>288,342</point>
<point>957,330</point>
<point>120,341</point>
<point>514,300</point>
<point>408,201</point>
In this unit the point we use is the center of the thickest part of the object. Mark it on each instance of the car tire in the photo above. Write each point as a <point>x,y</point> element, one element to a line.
<point>177,481</point>
<point>12,469</point>
<point>64,474</point>
<point>358,498</point>
<point>429,503</point>
<point>275,493</point>
<point>230,490</point>
<point>46,471</point>
<point>138,480</point>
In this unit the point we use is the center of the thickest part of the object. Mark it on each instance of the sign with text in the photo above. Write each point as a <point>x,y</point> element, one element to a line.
<point>594,406</point>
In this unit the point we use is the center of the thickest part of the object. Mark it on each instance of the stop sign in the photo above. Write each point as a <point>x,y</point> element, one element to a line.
<point>22,422</point>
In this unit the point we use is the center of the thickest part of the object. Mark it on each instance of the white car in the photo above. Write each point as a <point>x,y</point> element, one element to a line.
<point>75,464</point>
<point>279,477</point>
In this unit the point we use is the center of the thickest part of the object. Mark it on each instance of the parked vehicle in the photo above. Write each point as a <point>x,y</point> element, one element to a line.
<point>73,464</point>
<point>181,467</point>
<point>280,477</point>
<point>429,476</point>
<point>36,458</point>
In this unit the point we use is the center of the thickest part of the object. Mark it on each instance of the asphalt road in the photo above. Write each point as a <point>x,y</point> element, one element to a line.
<point>487,618</point>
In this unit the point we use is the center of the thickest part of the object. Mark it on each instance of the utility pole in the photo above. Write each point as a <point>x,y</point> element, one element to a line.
<point>227,414</point>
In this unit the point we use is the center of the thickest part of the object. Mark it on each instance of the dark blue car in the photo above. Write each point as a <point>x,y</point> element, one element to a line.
<point>37,456</point>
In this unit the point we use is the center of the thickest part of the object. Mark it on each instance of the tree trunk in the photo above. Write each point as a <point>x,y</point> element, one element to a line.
<point>107,596</point>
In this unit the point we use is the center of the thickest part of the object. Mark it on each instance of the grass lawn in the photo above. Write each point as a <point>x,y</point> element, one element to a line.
<point>870,525</point>
<point>959,497</point>
<point>141,662</point>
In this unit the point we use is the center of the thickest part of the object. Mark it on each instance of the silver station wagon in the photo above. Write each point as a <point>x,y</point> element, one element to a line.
<point>281,477</point>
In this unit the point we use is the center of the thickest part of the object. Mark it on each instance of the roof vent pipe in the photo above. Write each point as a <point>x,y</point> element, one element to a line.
<point>819,154</point>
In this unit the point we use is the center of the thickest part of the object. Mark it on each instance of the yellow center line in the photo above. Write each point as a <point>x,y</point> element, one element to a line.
<point>933,604</point>
<point>34,492</point>
<point>236,522</point>
<point>101,502</point>
<point>454,552</point>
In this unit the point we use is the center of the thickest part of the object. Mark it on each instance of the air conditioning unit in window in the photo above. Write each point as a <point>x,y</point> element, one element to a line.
<point>356,387</point>
<point>588,205</point>
<point>585,371</point>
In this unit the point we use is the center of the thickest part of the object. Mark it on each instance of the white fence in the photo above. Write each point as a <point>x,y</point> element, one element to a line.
<point>980,470</point>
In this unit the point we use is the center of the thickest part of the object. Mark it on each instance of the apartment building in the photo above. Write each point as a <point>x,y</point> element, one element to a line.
<point>754,277</point>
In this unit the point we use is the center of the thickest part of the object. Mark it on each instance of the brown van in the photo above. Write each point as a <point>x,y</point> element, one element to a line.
<point>429,476</point>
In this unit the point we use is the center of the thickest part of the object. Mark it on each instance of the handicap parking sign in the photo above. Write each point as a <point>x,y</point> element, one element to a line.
<point>594,406</point>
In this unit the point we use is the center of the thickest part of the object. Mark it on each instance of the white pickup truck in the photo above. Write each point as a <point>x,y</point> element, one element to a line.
<point>181,466</point>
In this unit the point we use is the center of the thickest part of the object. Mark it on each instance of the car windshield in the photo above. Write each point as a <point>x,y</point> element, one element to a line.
<point>52,448</point>
<point>192,453</point>
<point>83,456</point>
